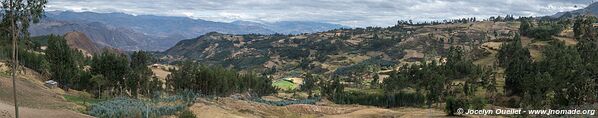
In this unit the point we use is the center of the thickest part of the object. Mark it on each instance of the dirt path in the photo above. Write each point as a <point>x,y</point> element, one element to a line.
<point>368,113</point>
<point>568,41</point>
<point>7,111</point>
<point>232,108</point>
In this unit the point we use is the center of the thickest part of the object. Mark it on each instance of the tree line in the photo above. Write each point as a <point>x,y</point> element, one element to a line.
<point>217,80</point>
<point>564,76</point>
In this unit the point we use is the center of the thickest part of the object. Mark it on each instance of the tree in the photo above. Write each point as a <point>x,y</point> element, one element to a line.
<point>517,68</point>
<point>517,61</point>
<point>113,66</point>
<point>375,81</point>
<point>587,37</point>
<point>583,29</point>
<point>140,75</point>
<point>99,81</point>
<point>536,95</point>
<point>309,83</point>
<point>217,80</point>
<point>571,81</point>
<point>525,26</point>
<point>62,61</point>
<point>18,14</point>
<point>457,66</point>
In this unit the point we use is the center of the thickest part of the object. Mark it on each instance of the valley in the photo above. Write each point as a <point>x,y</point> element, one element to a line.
<point>133,64</point>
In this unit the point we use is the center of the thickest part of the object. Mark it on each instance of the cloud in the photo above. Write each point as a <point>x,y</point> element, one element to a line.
<point>357,13</point>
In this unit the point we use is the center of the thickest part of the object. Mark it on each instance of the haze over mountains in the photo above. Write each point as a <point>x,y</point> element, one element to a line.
<point>149,32</point>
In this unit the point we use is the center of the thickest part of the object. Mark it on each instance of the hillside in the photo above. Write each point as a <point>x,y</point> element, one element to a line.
<point>35,99</point>
<point>344,50</point>
<point>79,40</point>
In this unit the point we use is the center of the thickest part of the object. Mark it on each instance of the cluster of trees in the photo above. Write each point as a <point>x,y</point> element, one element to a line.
<point>502,19</point>
<point>435,80</point>
<point>33,60</point>
<point>109,73</point>
<point>381,100</point>
<point>29,53</point>
<point>544,30</point>
<point>217,80</point>
<point>378,43</point>
<point>587,37</point>
<point>65,64</point>
<point>309,84</point>
<point>118,74</point>
<point>420,84</point>
<point>452,21</point>
<point>565,75</point>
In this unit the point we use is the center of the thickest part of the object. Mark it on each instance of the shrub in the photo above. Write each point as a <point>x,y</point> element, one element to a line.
<point>135,108</point>
<point>187,114</point>
<point>453,104</point>
<point>478,103</point>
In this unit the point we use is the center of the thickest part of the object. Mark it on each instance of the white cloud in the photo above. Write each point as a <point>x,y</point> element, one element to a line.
<point>347,12</point>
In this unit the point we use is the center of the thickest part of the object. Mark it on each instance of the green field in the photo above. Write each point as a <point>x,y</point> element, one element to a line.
<point>284,85</point>
<point>81,100</point>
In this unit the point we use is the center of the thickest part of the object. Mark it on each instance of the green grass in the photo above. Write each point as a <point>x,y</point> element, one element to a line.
<point>285,85</point>
<point>81,100</point>
<point>368,90</point>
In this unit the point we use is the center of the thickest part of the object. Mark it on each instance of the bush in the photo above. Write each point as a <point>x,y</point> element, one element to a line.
<point>478,103</point>
<point>136,108</point>
<point>544,31</point>
<point>187,114</point>
<point>452,104</point>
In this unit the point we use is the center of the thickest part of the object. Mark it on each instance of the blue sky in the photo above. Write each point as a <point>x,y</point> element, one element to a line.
<point>355,13</point>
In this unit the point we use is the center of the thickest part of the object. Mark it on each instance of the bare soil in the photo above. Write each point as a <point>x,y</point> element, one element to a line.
<point>234,108</point>
<point>35,100</point>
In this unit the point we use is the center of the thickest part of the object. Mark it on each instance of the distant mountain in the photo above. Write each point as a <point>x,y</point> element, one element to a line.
<point>292,27</point>
<point>156,33</point>
<point>157,25</point>
<point>591,9</point>
<point>104,35</point>
<point>80,41</point>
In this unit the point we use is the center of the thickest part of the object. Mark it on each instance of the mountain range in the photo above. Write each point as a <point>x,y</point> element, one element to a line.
<point>156,33</point>
<point>591,9</point>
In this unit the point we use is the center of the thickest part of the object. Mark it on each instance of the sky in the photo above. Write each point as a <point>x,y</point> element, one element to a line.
<point>354,13</point>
